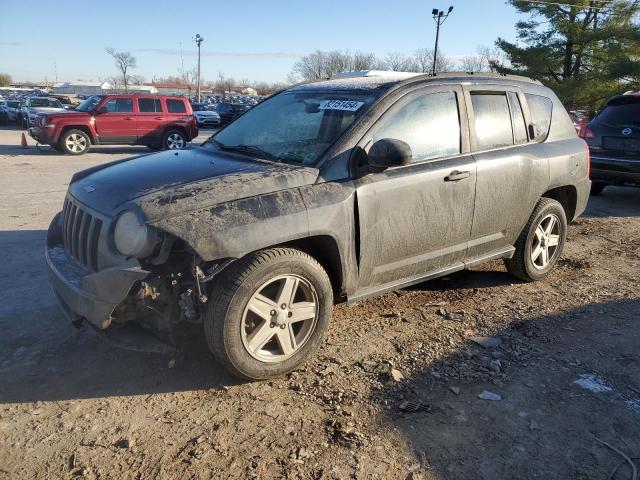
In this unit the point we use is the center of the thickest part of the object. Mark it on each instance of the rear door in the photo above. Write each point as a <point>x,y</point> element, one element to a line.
<point>150,120</point>
<point>416,219</point>
<point>116,121</point>
<point>510,168</point>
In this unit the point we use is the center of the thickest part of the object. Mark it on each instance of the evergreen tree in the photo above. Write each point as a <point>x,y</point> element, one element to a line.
<point>585,50</point>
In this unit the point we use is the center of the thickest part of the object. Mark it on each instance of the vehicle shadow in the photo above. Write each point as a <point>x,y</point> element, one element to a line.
<point>43,357</point>
<point>615,202</point>
<point>543,424</point>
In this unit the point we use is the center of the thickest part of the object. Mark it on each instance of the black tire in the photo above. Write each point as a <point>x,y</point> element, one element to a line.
<point>223,320</point>
<point>521,264</point>
<point>83,145</point>
<point>597,188</point>
<point>170,138</point>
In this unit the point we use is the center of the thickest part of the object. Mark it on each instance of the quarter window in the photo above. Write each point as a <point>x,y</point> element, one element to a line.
<point>176,106</point>
<point>517,118</point>
<point>146,105</point>
<point>429,124</point>
<point>492,119</point>
<point>540,108</point>
<point>119,105</point>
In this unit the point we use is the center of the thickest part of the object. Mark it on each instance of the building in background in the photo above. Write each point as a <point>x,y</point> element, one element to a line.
<point>82,88</point>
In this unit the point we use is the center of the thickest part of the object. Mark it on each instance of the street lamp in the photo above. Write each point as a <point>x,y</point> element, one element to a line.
<point>198,39</point>
<point>439,16</point>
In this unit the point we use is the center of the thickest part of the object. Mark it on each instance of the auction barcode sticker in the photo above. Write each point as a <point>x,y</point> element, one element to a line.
<point>346,105</point>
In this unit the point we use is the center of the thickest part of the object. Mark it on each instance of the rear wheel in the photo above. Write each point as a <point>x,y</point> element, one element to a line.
<point>541,242</point>
<point>174,140</point>
<point>268,313</point>
<point>597,188</point>
<point>74,142</point>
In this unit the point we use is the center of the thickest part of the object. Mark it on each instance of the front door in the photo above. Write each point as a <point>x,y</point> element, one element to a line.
<point>116,121</point>
<point>416,219</point>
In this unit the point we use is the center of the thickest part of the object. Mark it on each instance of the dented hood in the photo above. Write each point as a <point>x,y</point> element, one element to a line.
<point>172,182</point>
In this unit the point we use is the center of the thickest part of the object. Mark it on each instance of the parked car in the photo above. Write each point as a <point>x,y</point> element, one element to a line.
<point>613,137</point>
<point>160,122</point>
<point>229,111</point>
<point>64,100</point>
<point>580,120</point>
<point>205,117</point>
<point>10,107</point>
<point>327,192</point>
<point>35,105</point>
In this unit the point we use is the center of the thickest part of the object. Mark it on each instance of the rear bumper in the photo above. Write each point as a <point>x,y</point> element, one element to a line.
<point>84,294</point>
<point>583,190</point>
<point>607,169</point>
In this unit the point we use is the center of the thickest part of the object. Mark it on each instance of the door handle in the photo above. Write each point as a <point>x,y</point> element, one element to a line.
<point>456,176</point>
<point>128,118</point>
<point>159,118</point>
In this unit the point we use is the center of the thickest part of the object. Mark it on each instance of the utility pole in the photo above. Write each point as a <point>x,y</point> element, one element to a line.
<point>198,39</point>
<point>439,16</point>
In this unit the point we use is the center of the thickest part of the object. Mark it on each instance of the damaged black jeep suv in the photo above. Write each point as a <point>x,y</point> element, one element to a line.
<point>326,192</point>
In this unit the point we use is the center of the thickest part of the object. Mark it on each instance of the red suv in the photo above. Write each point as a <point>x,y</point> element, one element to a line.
<point>160,122</point>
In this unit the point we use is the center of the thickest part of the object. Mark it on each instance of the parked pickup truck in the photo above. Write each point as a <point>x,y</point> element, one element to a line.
<point>160,122</point>
<point>326,192</point>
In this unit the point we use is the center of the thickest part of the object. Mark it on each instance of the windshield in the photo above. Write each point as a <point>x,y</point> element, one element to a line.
<point>90,103</point>
<point>293,126</point>
<point>621,111</point>
<point>13,104</point>
<point>45,102</point>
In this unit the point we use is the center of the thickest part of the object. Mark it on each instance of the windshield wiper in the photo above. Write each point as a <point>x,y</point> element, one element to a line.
<point>250,149</point>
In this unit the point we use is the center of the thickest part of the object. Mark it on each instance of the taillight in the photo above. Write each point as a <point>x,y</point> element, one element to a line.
<point>588,159</point>
<point>586,132</point>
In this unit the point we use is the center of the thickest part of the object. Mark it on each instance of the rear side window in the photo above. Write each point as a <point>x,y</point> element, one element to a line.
<point>621,111</point>
<point>493,120</point>
<point>517,119</point>
<point>119,105</point>
<point>149,105</point>
<point>429,124</point>
<point>540,108</point>
<point>176,106</point>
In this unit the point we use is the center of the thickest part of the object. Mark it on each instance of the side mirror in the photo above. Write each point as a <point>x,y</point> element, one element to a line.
<point>389,152</point>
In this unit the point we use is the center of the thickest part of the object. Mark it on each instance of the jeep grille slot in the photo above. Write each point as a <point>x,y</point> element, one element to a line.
<point>80,233</point>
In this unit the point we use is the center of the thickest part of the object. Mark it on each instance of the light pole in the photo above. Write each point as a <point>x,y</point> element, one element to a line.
<point>198,39</point>
<point>439,16</point>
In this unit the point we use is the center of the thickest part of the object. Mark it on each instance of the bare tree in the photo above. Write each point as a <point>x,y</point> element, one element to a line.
<point>365,61</point>
<point>189,78</point>
<point>226,84</point>
<point>337,62</point>
<point>424,61</point>
<point>494,58</point>
<point>399,63</point>
<point>474,63</point>
<point>124,62</point>
<point>137,80</point>
<point>312,66</point>
<point>116,84</point>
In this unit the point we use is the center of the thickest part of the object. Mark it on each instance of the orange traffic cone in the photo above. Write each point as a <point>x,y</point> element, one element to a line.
<point>23,142</point>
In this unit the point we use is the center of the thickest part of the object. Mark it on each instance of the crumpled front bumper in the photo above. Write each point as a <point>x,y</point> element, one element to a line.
<point>84,294</point>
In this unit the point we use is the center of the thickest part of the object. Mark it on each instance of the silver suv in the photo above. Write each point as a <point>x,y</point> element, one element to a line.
<point>326,192</point>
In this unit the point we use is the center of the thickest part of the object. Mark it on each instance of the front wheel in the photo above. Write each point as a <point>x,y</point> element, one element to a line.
<point>174,140</point>
<point>74,142</point>
<point>541,242</point>
<point>268,313</point>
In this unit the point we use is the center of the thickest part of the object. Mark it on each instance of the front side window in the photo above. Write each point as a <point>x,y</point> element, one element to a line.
<point>119,105</point>
<point>176,106</point>
<point>295,126</point>
<point>492,119</point>
<point>430,124</point>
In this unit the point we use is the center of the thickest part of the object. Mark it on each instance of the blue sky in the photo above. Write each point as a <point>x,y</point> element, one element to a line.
<point>250,39</point>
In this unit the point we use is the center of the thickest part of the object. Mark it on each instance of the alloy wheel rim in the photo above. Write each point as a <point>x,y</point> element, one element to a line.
<point>279,318</point>
<point>546,241</point>
<point>76,143</point>
<point>175,141</point>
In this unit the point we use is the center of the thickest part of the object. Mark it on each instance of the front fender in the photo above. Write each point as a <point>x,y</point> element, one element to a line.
<point>236,228</point>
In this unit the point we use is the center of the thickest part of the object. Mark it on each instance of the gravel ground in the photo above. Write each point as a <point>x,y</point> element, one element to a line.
<point>395,393</point>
